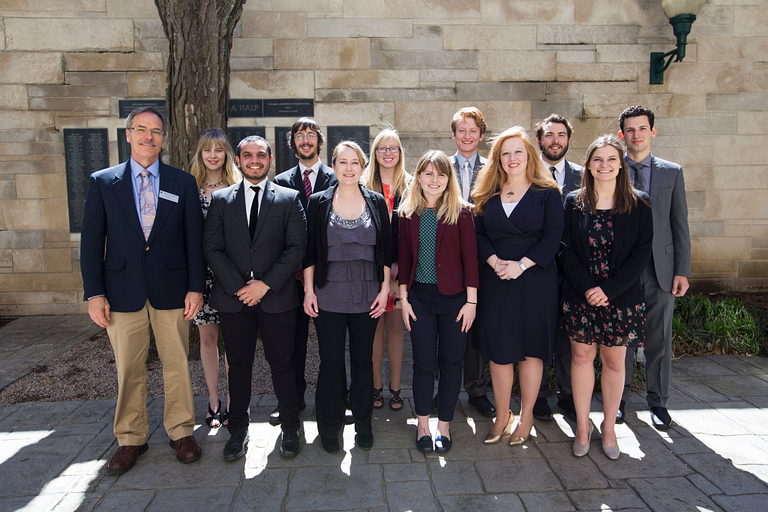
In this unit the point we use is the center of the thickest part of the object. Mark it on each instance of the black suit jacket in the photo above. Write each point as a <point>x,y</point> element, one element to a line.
<point>293,179</point>
<point>318,215</point>
<point>630,253</point>
<point>572,178</point>
<point>278,246</point>
<point>115,259</point>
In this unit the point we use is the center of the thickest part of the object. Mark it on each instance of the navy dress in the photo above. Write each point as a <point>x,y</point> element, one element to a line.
<point>518,317</point>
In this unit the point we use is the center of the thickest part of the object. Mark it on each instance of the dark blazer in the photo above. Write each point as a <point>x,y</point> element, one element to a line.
<point>479,163</point>
<point>455,256</point>
<point>318,215</point>
<point>572,178</point>
<point>293,179</point>
<point>630,253</point>
<point>277,248</point>
<point>130,270</point>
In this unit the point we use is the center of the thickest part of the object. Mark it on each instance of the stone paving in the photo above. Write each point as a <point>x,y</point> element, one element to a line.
<point>52,457</point>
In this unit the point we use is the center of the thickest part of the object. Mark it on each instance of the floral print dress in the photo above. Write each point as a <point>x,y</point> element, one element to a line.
<point>207,315</point>
<point>610,326</point>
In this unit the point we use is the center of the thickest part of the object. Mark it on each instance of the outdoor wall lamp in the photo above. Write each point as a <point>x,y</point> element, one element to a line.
<point>681,14</point>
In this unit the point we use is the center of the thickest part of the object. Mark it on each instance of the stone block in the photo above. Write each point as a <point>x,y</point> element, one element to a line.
<point>251,47</point>
<point>753,269</point>
<point>726,125</point>
<point>733,49</point>
<point>623,53</point>
<point>70,104</point>
<point>149,28</point>
<point>527,12</point>
<point>748,227</point>
<point>150,84</point>
<point>114,62</point>
<point>607,12</point>
<point>427,76</point>
<point>30,68</point>
<point>251,63</point>
<point>759,254</point>
<point>596,72</point>
<point>54,163</point>
<point>41,186</point>
<point>272,84</point>
<point>322,54</point>
<point>436,117</point>
<point>33,214</point>
<point>489,37</point>
<point>355,114</point>
<point>591,88</point>
<point>721,248</point>
<point>6,258</point>
<point>42,260</point>
<point>152,44</point>
<point>715,267</point>
<point>585,34</point>
<point>7,189</point>
<point>663,105</point>
<point>740,177</point>
<point>760,243</point>
<point>750,20</point>
<point>566,108</point>
<point>366,95</point>
<point>709,228</point>
<point>358,27</point>
<point>21,239</point>
<point>425,37</point>
<point>78,91</point>
<point>458,10</point>
<point>576,56</point>
<point>757,102</point>
<point>274,24</point>
<point>381,59</point>
<point>129,8</point>
<point>13,97</point>
<point>691,77</point>
<point>14,5</point>
<point>73,34</point>
<point>516,66</point>
<point>752,123</point>
<point>40,282</point>
<point>373,78</point>
<point>736,204</point>
<point>95,77</point>
<point>317,6</point>
<point>495,91</point>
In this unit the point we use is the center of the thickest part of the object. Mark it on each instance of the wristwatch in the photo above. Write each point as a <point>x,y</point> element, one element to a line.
<point>522,265</point>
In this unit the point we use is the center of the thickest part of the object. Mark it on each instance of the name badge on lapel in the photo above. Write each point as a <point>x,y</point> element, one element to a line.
<point>168,196</point>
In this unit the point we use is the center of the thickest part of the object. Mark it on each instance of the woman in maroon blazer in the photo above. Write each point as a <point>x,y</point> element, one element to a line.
<point>438,289</point>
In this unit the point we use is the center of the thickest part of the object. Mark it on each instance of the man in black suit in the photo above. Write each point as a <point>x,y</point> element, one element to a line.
<point>254,238</point>
<point>554,136</point>
<point>308,177</point>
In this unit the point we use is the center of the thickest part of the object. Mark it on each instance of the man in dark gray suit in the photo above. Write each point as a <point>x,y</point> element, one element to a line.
<point>553,135</point>
<point>254,238</point>
<point>666,276</point>
<point>468,127</point>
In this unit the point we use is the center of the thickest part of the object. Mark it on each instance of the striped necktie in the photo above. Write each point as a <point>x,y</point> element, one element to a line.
<point>307,183</point>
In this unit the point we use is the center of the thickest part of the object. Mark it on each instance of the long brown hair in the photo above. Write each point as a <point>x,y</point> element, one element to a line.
<point>493,176</point>
<point>372,176</point>
<point>214,137</point>
<point>624,196</point>
<point>450,203</point>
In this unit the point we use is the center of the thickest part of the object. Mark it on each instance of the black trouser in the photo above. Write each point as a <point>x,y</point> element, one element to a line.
<point>436,315</point>
<point>240,334</point>
<point>331,337</point>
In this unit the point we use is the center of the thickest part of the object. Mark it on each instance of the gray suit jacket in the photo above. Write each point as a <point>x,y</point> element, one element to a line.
<point>278,246</point>
<point>572,178</point>
<point>479,163</point>
<point>671,238</point>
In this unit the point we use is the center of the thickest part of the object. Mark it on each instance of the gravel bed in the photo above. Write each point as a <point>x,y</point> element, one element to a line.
<point>88,372</point>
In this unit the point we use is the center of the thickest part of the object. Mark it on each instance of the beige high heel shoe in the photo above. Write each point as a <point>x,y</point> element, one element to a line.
<point>495,439</point>
<point>517,440</point>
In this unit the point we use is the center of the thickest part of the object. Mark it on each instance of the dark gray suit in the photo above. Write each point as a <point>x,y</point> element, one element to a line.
<point>671,257</point>
<point>475,380</point>
<point>278,246</point>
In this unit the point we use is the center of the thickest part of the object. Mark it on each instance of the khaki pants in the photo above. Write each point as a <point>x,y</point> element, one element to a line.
<point>129,335</point>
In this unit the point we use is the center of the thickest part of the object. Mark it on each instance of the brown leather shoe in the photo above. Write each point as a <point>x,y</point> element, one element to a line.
<point>187,449</point>
<point>125,458</point>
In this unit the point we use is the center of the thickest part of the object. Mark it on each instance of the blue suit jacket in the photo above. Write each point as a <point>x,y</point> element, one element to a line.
<point>117,262</point>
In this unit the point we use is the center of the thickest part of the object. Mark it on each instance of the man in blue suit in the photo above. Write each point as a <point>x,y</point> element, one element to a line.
<point>142,262</point>
<point>666,276</point>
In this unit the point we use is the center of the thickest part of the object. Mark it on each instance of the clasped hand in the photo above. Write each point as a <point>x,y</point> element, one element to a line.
<point>252,293</point>
<point>508,269</point>
<point>596,297</point>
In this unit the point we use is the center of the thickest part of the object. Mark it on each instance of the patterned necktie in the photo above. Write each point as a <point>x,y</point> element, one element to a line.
<point>146,204</point>
<point>307,183</point>
<point>638,181</point>
<point>466,180</point>
<point>254,218</point>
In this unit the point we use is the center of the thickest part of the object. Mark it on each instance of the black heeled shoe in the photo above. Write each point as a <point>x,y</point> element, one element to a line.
<point>213,419</point>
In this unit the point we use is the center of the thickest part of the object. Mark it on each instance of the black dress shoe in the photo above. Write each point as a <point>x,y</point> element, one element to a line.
<point>424,444</point>
<point>541,410</point>
<point>330,444</point>
<point>565,404</point>
<point>660,418</point>
<point>434,405</point>
<point>236,446</point>
<point>442,444</point>
<point>349,418</point>
<point>290,446</point>
<point>620,416</point>
<point>364,440</point>
<point>483,406</point>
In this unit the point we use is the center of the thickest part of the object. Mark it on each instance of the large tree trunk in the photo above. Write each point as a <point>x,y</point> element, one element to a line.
<point>200,37</point>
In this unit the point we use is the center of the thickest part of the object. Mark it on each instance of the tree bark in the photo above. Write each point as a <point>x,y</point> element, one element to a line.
<point>200,39</point>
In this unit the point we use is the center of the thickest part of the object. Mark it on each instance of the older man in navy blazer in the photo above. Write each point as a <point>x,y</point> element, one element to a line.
<point>666,276</point>
<point>142,262</point>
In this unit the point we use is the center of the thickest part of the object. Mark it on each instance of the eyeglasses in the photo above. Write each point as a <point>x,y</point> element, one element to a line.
<point>141,131</point>
<point>382,150</point>
<point>300,137</point>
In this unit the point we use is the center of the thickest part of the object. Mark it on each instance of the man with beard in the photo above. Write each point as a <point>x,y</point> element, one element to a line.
<point>254,238</point>
<point>554,135</point>
<point>142,264</point>
<point>308,177</point>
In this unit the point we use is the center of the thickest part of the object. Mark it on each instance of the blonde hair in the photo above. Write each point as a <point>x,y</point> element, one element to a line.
<point>214,137</point>
<point>492,176</point>
<point>351,145</point>
<point>450,203</point>
<point>372,176</point>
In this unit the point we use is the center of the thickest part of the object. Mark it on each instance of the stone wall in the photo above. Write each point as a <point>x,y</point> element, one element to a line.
<point>408,63</point>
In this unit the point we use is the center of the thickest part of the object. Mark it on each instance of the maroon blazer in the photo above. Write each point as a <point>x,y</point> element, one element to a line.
<point>455,258</point>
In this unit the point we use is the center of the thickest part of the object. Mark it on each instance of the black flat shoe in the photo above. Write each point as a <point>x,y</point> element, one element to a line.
<point>442,444</point>
<point>364,440</point>
<point>236,447</point>
<point>541,410</point>
<point>483,406</point>
<point>330,444</point>
<point>290,446</point>
<point>424,444</point>
<point>621,416</point>
<point>660,418</point>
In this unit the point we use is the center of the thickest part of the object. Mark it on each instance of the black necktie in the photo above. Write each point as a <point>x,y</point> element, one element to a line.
<point>254,211</point>
<point>639,183</point>
<point>553,170</point>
